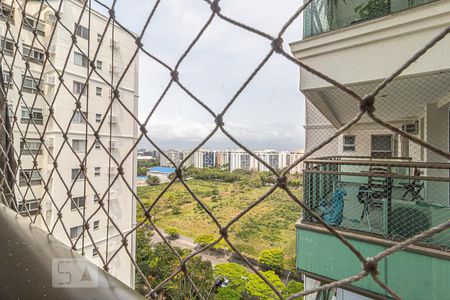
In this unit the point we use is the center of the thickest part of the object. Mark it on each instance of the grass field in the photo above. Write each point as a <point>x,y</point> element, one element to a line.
<point>271,224</point>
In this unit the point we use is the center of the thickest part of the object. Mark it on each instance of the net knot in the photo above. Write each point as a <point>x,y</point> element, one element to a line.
<point>74,38</point>
<point>143,129</point>
<point>277,45</point>
<point>78,104</point>
<point>371,266</point>
<point>69,194</point>
<point>215,6</point>
<point>138,42</point>
<point>148,215</point>
<point>179,173</point>
<point>224,232</point>
<point>116,93</point>
<point>101,203</point>
<point>174,75</point>
<point>86,226</point>
<point>92,64</point>
<point>112,13</point>
<point>125,242</point>
<point>106,268</point>
<point>57,16</point>
<point>367,104</point>
<point>59,214</point>
<point>55,164</point>
<point>120,170</point>
<point>281,181</point>
<point>219,120</point>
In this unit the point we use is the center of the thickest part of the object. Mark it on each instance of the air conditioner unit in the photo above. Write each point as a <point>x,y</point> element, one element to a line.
<point>115,69</point>
<point>50,80</point>
<point>50,142</point>
<point>112,171</point>
<point>411,128</point>
<point>52,49</point>
<point>113,119</point>
<point>114,44</point>
<point>113,145</point>
<point>50,17</point>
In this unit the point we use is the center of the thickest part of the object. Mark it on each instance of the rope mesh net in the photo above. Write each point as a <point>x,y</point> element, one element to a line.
<point>400,165</point>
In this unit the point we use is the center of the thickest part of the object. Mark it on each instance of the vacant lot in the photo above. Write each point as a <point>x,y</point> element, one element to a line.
<point>271,224</point>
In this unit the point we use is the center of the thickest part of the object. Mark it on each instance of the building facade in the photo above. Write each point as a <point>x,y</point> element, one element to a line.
<point>359,45</point>
<point>38,133</point>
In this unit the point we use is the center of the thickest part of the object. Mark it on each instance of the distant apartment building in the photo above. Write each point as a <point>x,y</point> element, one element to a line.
<point>174,155</point>
<point>270,157</point>
<point>293,156</point>
<point>118,133</point>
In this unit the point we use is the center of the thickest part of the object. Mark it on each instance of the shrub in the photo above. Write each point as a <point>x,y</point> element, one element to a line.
<point>257,288</point>
<point>173,232</point>
<point>237,274</point>
<point>222,245</point>
<point>204,239</point>
<point>272,259</point>
<point>293,287</point>
<point>153,180</point>
<point>228,293</point>
<point>176,210</point>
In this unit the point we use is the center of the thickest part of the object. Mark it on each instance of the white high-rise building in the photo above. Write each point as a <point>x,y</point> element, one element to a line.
<point>118,131</point>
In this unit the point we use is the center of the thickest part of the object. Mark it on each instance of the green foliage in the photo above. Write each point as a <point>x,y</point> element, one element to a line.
<point>157,262</point>
<point>176,210</point>
<point>147,164</point>
<point>228,293</point>
<point>142,171</point>
<point>237,274</point>
<point>293,287</point>
<point>172,232</point>
<point>272,259</point>
<point>153,180</point>
<point>257,288</point>
<point>222,245</point>
<point>204,239</point>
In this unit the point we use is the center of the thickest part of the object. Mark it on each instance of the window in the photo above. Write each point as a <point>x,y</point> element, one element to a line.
<point>30,23</point>
<point>7,78</point>
<point>98,118</point>
<point>80,59</point>
<point>99,37</point>
<point>99,65</point>
<point>30,85</point>
<point>97,145</point>
<point>78,117</point>
<point>77,174</point>
<point>98,91</point>
<point>79,145</point>
<point>381,146</point>
<point>29,176</point>
<point>81,31</point>
<point>34,55</point>
<point>77,202</point>
<point>76,231</point>
<point>7,13</point>
<point>36,115</point>
<point>94,252</point>
<point>7,46</point>
<point>349,143</point>
<point>97,171</point>
<point>31,146</point>
<point>96,225</point>
<point>79,88</point>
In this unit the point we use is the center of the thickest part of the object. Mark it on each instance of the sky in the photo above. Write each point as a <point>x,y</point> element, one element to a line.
<point>269,114</point>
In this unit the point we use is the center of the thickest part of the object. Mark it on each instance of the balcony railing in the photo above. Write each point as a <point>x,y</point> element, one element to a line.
<point>395,199</point>
<point>327,15</point>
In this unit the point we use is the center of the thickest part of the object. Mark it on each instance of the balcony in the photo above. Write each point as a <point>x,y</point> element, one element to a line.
<point>323,16</point>
<point>392,199</point>
<point>373,203</point>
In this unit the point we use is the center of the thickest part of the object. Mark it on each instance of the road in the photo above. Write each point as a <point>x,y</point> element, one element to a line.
<point>185,242</point>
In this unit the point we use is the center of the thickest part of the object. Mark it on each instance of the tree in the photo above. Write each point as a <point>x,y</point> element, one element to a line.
<point>272,259</point>
<point>172,232</point>
<point>204,239</point>
<point>153,180</point>
<point>142,171</point>
<point>257,288</point>
<point>157,262</point>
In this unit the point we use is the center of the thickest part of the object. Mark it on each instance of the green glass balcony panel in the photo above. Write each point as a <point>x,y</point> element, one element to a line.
<point>327,15</point>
